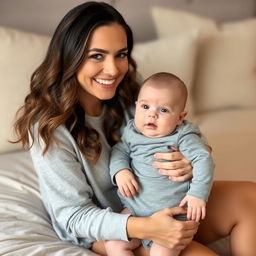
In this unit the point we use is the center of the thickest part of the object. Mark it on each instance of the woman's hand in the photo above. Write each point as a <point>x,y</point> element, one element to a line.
<point>163,229</point>
<point>178,168</point>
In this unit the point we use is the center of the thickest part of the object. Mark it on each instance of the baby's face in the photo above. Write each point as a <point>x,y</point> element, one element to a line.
<point>157,112</point>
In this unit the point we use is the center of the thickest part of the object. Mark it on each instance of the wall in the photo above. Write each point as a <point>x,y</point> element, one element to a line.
<point>42,16</point>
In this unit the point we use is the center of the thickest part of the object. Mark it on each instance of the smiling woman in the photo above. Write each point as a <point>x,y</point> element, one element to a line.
<point>104,67</point>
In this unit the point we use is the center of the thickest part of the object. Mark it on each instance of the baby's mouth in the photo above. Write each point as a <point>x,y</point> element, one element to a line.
<point>150,125</point>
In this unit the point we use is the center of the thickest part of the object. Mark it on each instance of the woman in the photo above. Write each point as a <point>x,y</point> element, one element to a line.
<point>81,97</point>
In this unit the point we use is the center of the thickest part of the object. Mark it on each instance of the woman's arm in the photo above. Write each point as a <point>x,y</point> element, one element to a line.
<point>69,196</point>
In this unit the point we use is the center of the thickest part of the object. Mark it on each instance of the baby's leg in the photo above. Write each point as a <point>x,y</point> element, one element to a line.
<point>158,250</point>
<point>119,247</point>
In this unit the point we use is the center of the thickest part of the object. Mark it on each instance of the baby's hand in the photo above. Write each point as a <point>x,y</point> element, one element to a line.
<point>196,208</point>
<point>126,183</point>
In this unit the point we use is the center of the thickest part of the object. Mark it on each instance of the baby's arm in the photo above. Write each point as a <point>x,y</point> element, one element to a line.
<point>193,148</point>
<point>196,207</point>
<point>126,182</point>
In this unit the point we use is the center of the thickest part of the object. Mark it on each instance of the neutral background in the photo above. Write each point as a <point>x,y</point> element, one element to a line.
<point>42,16</point>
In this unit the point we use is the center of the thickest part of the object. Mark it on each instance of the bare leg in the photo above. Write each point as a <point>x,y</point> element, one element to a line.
<point>231,210</point>
<point>119,247</point>
<point>197,249</point>
<point>99,247</point>
<point>158,250</point>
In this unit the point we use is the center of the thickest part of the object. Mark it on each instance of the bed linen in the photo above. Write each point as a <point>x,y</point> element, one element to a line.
<point>25,227</point>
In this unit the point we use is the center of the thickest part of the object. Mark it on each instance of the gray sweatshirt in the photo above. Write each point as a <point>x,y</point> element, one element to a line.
<point>78,195</point>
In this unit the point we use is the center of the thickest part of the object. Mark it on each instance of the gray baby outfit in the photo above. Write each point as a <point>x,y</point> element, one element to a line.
<point>157,192</point>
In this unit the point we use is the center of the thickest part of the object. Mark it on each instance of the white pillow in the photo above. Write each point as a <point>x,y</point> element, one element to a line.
<point>176,55</point>
<point>225,72</point>
<point>20,54</point>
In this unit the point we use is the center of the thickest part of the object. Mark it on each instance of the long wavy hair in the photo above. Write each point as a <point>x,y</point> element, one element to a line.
<point>53,97</point>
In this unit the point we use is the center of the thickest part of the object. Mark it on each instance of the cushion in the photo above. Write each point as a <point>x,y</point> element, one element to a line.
<point>232,136</point>
<point>169,22</point>
<point>20,54</point>
<point>226,71</point>
<point>226,68</point>
<point>176,55</point>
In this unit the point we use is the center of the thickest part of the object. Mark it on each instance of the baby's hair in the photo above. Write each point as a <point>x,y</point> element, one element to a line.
<point>162,79</point>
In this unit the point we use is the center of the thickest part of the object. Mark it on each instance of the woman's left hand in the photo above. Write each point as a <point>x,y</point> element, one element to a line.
<point>178,168</point>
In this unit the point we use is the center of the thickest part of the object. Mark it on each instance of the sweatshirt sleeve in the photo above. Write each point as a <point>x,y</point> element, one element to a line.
<point>193,148</point>
<point>69,198</point>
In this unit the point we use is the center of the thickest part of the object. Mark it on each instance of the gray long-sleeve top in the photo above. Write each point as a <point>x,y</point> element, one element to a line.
<point>136,151</point>
<point>78,195</point>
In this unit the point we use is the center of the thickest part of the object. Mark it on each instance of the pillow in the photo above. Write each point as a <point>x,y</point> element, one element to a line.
<point>176,55</point>
<point>225,71</point>
<point>170,22</point>
<point>20,54</point>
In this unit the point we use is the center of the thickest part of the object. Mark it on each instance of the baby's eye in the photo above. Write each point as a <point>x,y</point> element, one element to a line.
<point>164,110</point>
<point>145,106</point>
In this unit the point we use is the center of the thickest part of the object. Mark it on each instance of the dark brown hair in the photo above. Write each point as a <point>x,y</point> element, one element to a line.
<point>53,100</point>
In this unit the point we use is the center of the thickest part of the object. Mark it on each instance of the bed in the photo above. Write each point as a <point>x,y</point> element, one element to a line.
<point>228,121</point>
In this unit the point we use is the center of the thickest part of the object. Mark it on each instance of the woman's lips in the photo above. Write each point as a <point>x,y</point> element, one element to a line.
<point>105,83</point>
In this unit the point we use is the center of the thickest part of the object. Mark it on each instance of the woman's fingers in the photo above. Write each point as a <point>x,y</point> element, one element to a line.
<point>173,156</point>
<point>182,178</point>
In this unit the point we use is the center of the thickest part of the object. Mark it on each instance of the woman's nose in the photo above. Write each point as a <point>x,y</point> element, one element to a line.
<point>110,67</point>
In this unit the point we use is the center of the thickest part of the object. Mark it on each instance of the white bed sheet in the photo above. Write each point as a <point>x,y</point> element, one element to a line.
<point>25,227</point>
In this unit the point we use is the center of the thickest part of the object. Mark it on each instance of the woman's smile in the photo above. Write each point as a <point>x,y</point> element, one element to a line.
<point>105,83</point>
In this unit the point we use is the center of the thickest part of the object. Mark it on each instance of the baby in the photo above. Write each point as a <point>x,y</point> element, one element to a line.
<point>159,125</point>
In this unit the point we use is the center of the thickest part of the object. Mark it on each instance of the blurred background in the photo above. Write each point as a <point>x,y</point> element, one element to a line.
<point>42,16</point>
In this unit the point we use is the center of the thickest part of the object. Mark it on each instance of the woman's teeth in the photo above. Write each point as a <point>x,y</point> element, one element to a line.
<point>102,81</point>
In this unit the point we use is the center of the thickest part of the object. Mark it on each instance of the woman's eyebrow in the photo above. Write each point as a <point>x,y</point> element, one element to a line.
<point>105,51</point>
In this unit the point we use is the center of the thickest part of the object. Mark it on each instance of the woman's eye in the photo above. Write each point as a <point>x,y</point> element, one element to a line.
<point>122,55</point>
<point>96,56</point>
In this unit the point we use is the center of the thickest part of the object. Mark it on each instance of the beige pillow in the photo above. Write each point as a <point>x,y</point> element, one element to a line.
<point>225,72</point>
<point>20,54</point>
<point>170,22</point>
<point>176,55</point>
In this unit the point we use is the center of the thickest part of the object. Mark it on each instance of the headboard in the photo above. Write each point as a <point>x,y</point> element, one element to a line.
<point>43,16</point>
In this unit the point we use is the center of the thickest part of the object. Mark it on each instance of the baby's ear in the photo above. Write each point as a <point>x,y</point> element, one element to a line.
<point>182,116</point>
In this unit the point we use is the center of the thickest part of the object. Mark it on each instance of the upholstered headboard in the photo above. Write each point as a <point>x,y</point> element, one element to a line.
<point>43,16</point>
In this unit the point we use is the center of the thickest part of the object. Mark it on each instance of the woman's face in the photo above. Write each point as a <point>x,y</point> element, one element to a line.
<point>104,66</point>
